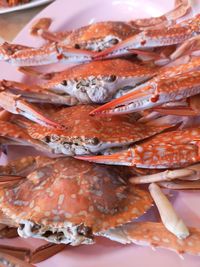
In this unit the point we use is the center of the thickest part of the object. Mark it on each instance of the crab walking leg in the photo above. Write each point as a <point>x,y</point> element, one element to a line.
<point>189,47</point>
<point>20,253</point>
<point>174,34</point>
<point>14,104</point>
<point>182,7</point>
<point>42,253</point>
<point>167,213</point>
<point>181,185</point>
<point>48,54</point>
<point>45,252</point>
<point>41,24</point>
<point>7,260</point>
<point>162,176</point>
<point>191,173</point>
<point>155,234</point>
<point>154,93</point>
<point>7,231</point>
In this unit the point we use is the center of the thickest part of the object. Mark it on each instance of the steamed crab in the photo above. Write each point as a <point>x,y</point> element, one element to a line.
<point>72,202</point>
<point>101,35</point>
<point>115,35</point>
<point>94,82</point>
<point>84,134</point>
<point>80,134</point>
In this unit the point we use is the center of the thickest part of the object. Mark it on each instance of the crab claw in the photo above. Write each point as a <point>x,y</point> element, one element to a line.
<point>154,38</point>
<point>154,93</point>
<point>14,104</point>
<point>48,54</point>
<point>136,100</point>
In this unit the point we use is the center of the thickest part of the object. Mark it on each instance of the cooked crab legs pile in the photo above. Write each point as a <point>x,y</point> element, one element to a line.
<point>132,100</point>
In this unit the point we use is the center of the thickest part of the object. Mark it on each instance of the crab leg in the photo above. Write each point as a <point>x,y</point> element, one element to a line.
<point>148,156</point>
<point>46,251</point>
<point>48,54</point>
<point>20,253</point>
<point>181,185</point>
<point>36,94</point>
<point>155,234</point>
<point>7,260</point>
<point>8,232</point>
<point>40,254</point>
<point>154,38</point>
<point>166,150</point>
<point>189,47</point>
<point>182,7</point>
<point>190,173</point>
<point>41,24</point>
<point>170,219</point>
<point>153,94</point>
<point>14,104</point>
<point>163,176</point>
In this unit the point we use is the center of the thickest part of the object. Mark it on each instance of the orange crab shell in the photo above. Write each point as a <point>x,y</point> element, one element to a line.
<point>77,192</point>
<point>118,67</point>
<point>79,124</point>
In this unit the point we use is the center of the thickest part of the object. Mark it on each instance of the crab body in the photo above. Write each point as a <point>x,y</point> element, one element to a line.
<point>71,201</point>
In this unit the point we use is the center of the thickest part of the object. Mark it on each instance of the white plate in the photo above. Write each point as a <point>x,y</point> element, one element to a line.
<point>33,3</point>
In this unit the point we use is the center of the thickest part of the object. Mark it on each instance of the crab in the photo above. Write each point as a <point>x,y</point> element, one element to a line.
<point>95,37</point>
<point>94,82</point>
<point>102,35</point>
<point>73,202</point>
<point>171,149</point>
<point>75,194</point>
<point>151,38</point>
<point>84,134</point>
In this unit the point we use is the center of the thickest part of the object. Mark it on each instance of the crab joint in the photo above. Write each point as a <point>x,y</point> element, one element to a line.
<point>167,213</point>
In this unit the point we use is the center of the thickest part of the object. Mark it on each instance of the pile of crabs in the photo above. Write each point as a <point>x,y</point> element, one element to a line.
<point>131,101</point>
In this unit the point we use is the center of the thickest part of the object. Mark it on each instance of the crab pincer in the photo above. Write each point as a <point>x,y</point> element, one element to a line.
<point>154,93</point>
<point>17,105</point>
<point>48,54</point>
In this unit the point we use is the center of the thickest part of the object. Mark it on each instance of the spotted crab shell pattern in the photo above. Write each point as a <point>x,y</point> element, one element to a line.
<point>67,190</point>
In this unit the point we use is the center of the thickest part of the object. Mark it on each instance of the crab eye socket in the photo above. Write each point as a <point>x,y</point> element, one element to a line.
<point>114,41</point>
<point>77,46</point>
<point>64,82</point>
<point>21,226</point>
<point>111,78</point>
